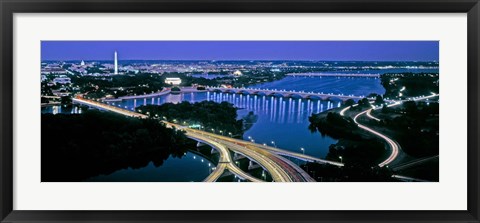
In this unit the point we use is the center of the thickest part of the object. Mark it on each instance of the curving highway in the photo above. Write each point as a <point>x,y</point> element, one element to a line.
<point>394,146</point>
<point>279,168</point>
<point>269,158</point>
<point>225,161</point>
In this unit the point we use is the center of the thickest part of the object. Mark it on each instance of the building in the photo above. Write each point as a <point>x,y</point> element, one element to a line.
<point>237,73</point>
<point>53,69</point>
<point>173,80</point>
<point>82,63</point>
<point>62,80</point>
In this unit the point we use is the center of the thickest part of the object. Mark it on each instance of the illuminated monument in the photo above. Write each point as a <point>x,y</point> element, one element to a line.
<point>116,63</point>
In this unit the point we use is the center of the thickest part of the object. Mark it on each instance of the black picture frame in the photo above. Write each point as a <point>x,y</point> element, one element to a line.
<point>9,7</point>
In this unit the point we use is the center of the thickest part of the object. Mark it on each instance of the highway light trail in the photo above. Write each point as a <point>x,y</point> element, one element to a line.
<point>369,114</point>
<point>393,145</point>
<point>225,161</point>
<point>395,148</point>
<point>279,169</point>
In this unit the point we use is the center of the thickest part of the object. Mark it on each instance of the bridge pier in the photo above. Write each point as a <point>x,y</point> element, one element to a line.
<point>213,151</point>
<point>264,174</point>
<point>252,165</point>
<point>227,173</point>
<point>282,93</point>
<point>237,156</point>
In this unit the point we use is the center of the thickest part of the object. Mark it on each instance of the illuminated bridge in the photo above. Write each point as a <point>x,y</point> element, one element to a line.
<point>333,75</point>
<point>285,93</point>
<point>270,159</point>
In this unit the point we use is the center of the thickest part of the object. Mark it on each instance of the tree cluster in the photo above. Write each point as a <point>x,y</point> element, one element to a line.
<point>334,125</point>
<point>416,127</point>
<point>413,84</point>
<point>77,147</point>
<point>360,158</point>
<point>210,115</point>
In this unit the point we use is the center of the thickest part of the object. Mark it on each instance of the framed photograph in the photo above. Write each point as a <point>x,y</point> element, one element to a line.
<point>233,111</point>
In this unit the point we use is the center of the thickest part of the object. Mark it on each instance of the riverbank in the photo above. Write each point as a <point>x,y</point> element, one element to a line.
<point>77,147</point>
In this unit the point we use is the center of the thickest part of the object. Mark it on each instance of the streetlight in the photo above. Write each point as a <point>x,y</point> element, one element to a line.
<point>273,142</point>
<point>221,132</point>
<point>303,150</point>
<point>341,159</point>
<point>230,134</point>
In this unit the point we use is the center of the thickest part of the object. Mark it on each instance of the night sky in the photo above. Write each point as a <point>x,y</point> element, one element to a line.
<point>243,50</point>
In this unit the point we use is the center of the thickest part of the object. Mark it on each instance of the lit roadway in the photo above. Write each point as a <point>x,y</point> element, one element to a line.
<point>96,104</point>
<point>394,147</point>
<point>224,162</point>
<point>281,169</point>
<point>408,179</point>
<point>299,156</point>
<point>414,163</point>
<point>154,94</point>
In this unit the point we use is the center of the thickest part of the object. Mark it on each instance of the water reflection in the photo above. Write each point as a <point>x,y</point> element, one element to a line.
<point>189,168</point>
<point>61,109</point>
<point>274,114</point>
<point>278,109</point>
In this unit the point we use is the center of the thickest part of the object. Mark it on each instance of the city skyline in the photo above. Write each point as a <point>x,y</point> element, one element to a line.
<point>246,111</point>
<point>242,50</point>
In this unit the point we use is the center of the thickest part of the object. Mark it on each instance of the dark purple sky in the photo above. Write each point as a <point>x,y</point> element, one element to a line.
<point>242,50</point>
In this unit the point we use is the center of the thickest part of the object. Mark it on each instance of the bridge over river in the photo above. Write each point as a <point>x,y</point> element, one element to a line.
<point>286,93</point>
<point>252,91</point>
<point>271,159</point>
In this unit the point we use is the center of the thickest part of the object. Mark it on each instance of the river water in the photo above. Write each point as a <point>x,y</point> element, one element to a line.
<point>282,122</point>
<point>189,168</point>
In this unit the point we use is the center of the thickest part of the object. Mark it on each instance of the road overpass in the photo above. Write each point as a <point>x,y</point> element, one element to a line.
<point>225,160</point>
<point>279,168</point>
<point>278,151</point>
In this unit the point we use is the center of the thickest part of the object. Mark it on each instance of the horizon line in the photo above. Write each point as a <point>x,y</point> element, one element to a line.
<point>245,60</point>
